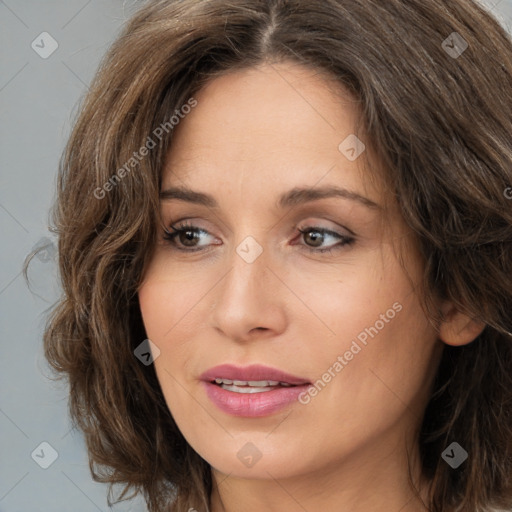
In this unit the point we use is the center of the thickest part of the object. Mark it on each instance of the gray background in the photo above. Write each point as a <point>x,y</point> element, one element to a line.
<point>38,98</point>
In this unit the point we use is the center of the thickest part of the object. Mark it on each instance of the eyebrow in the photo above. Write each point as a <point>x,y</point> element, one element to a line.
<point>289,199</point>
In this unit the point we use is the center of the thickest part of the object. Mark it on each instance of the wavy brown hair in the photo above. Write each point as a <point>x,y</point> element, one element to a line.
<point>440,128</point>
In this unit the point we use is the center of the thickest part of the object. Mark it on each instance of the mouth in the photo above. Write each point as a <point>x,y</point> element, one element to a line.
<point>255,376</point>
<point>251,379</point>
<point>253,386</point>
<point>252,391</point>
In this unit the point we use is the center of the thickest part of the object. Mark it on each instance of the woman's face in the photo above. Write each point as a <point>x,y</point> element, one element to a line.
<point>274,269</point>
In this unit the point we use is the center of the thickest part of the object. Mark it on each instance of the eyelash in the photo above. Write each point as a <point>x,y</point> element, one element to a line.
<point>182,228</point>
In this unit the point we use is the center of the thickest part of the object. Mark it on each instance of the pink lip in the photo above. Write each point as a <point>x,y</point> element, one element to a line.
<point>253,372</point>
<point>252,405</point>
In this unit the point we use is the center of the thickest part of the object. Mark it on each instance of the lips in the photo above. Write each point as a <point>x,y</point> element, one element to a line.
<point>252,374</point>
<point>253,391</point>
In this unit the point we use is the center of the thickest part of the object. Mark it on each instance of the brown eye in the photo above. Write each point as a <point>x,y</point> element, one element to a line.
<point>315,237</point>
<point>185,236</point>
<point>188,237</point>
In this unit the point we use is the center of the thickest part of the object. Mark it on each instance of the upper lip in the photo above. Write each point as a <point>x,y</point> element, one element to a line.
<point>256,372</point>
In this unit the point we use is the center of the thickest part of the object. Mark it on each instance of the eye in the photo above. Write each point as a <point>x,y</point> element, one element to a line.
<point>185,235</point>
<point>317,237</point>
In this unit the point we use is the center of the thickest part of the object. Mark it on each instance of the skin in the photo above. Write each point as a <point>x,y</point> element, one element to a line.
<point>253,135</point>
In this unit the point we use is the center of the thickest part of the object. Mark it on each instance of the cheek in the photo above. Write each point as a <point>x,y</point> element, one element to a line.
<point>153,302</point>
<point>374,350</point>
<point>339,302</point>
<point>173,308</point>
<point>378,366</point>
<point>164,313</point>
<point>168,301</point>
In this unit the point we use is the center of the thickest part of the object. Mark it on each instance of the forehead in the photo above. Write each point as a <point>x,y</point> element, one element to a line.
<point>279,124</point>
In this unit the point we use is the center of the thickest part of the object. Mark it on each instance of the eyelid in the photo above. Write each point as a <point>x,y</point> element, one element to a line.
<point>313,224</point>
<point>181,226</point>
<point>320,220</point>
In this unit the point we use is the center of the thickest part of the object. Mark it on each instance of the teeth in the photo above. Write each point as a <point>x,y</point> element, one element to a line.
<point>223,381</point>
<point>251,386</point>
<point>247,389</point>
<point>263,383</point>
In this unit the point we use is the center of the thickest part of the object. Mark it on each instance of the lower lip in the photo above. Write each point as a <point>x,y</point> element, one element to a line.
<point>253,405</point>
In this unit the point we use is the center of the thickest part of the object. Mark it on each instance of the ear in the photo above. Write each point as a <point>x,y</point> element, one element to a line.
<point>458,328</point>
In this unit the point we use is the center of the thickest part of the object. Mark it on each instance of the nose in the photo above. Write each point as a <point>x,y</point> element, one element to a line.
<point>248,301</point>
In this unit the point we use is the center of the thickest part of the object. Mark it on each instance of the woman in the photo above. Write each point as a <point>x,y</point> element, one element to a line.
<point>284,238</point>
